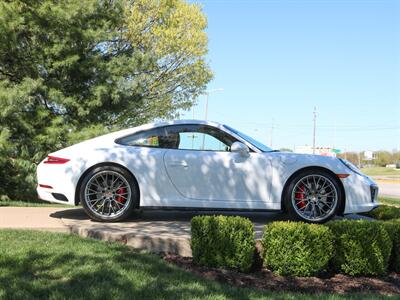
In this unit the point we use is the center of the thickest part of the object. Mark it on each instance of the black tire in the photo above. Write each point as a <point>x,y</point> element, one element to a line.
<point>132,202</point>
<point>289,193</point>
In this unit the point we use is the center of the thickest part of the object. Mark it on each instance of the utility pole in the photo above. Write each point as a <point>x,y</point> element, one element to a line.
<point>315,127</point>
<point>272,133</point>
<point>334,133</point>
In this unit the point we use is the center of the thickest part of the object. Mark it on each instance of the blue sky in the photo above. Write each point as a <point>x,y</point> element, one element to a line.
<point>276,60</point>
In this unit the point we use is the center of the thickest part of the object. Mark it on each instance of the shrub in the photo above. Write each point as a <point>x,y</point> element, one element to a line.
<point>393,228</point>
<point>384,212</point>
<point>361,247</point>
<point>223,241</point>
<point>297,249</point>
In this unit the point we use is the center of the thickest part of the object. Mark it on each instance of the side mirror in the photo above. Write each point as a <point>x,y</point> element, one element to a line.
<point>242,149</point>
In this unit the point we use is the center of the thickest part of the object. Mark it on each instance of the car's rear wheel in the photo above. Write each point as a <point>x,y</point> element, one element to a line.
<point>313,196</point>
<point>108,194</point>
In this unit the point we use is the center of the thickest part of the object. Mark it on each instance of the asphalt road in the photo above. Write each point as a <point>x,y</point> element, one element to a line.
<point>389,189</point>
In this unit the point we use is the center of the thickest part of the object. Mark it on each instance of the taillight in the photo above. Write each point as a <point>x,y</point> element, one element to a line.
<point>45,186</point>
<point>55,160</point>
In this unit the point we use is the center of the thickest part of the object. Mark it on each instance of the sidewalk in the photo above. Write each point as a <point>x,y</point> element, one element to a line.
<point>155,231</point>
<point>36,218</point>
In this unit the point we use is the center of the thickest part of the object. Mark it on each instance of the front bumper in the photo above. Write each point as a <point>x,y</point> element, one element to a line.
<point>361,194</point>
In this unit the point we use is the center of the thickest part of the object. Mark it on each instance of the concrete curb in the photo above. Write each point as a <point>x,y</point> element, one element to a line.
<point>157,232</point>
<point>151,243</point>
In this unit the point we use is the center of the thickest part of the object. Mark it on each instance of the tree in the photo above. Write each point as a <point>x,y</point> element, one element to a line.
<point>73,69</point>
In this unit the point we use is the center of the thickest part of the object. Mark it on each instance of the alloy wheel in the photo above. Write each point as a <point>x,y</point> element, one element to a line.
<point>107,194</point>
<point>314,198</point>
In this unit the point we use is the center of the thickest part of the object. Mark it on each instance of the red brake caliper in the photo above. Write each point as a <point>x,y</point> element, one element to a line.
<point>300,195</point>
<point>121,191</point>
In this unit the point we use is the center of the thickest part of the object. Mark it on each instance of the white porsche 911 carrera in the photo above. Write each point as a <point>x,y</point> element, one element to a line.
<point>199,165</point>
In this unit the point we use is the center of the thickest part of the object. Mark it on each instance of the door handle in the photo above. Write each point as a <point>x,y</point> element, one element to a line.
<point>178,164</point>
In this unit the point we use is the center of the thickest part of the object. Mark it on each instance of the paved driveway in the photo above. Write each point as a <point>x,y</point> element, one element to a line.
<point>156,231</point>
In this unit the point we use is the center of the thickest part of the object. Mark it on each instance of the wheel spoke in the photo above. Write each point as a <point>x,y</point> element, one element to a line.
<point>314,197</point>
<point>102,190</point>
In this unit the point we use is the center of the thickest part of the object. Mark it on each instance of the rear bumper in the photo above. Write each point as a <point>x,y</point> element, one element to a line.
<point>55,183</point>
<point>49,195</point>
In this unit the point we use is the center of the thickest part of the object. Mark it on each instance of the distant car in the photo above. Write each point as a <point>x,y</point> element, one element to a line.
<point>196,165</point>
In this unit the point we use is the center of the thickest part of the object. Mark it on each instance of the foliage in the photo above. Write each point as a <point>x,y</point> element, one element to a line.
<point>223,241</point>
<point>297,249</point>
<point>361,247</point>
<point>393,228</point>
<point>381,171</point>
<point>384,212</point>
<point>70,70</point>
<point>382,158</point>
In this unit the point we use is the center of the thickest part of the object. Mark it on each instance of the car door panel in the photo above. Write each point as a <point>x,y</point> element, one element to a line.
<point>219,176</point>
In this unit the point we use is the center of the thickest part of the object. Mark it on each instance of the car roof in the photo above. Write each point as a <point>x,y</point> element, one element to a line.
<point>148,126</point>
<point>111,137</point>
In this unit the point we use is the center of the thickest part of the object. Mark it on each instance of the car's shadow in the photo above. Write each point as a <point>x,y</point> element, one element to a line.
<point>184,216</point>
<point>174,215</point>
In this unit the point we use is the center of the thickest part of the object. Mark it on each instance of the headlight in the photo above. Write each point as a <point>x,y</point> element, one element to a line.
<point>350,166</point>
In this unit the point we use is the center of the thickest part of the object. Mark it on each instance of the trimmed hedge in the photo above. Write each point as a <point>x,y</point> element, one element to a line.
<point>384,212</point>
<point>297,249</point>
<point>362,247</point>
<point>223,241</point>
<point>393,228</point>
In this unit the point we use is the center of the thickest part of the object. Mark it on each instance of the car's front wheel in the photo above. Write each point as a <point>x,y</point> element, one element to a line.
<point>108,194</point>
<point>313,196</point>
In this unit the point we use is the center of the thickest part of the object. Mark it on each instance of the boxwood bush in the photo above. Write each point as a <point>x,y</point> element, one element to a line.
<point>297,249</point>
<point>361,247</point>
<point>393,228</point>
<point>223,241</point>
<point>385,212</point>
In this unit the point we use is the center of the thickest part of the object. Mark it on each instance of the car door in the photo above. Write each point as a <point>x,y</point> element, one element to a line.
<point>203,169</point>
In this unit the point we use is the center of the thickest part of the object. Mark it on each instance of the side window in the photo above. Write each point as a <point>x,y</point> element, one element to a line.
<point>184,137</point>
<point>201,141</point>
<point>199,137</point>
<point>156,137</point>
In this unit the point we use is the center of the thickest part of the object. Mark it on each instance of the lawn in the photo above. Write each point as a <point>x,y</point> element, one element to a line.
<point>389,201</point>
<point>31,204</point>
<point>380,171</point>
<point>60,266</point>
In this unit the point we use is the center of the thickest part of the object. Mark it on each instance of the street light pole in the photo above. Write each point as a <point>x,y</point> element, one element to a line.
<point>206,113</point>
<point>207,95</point>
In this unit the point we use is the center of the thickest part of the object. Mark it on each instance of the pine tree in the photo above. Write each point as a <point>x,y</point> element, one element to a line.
<point>73,69</point>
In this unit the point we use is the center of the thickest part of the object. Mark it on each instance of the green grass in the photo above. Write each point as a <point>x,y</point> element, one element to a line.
<point>380,171</point>
<point>31,204</point>
<point>389,201</point>
<point>39,265</point>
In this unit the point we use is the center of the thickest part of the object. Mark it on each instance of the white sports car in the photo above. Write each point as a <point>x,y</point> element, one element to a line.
<point>199,165</point>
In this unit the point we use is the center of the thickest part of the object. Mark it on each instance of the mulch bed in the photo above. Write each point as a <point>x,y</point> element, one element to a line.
<point>266,280</point>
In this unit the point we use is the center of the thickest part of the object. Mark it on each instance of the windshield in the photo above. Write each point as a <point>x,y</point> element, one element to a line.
<point>249,139</point>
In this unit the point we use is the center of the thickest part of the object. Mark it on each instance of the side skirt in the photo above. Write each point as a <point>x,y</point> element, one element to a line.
<point>180,208</point>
